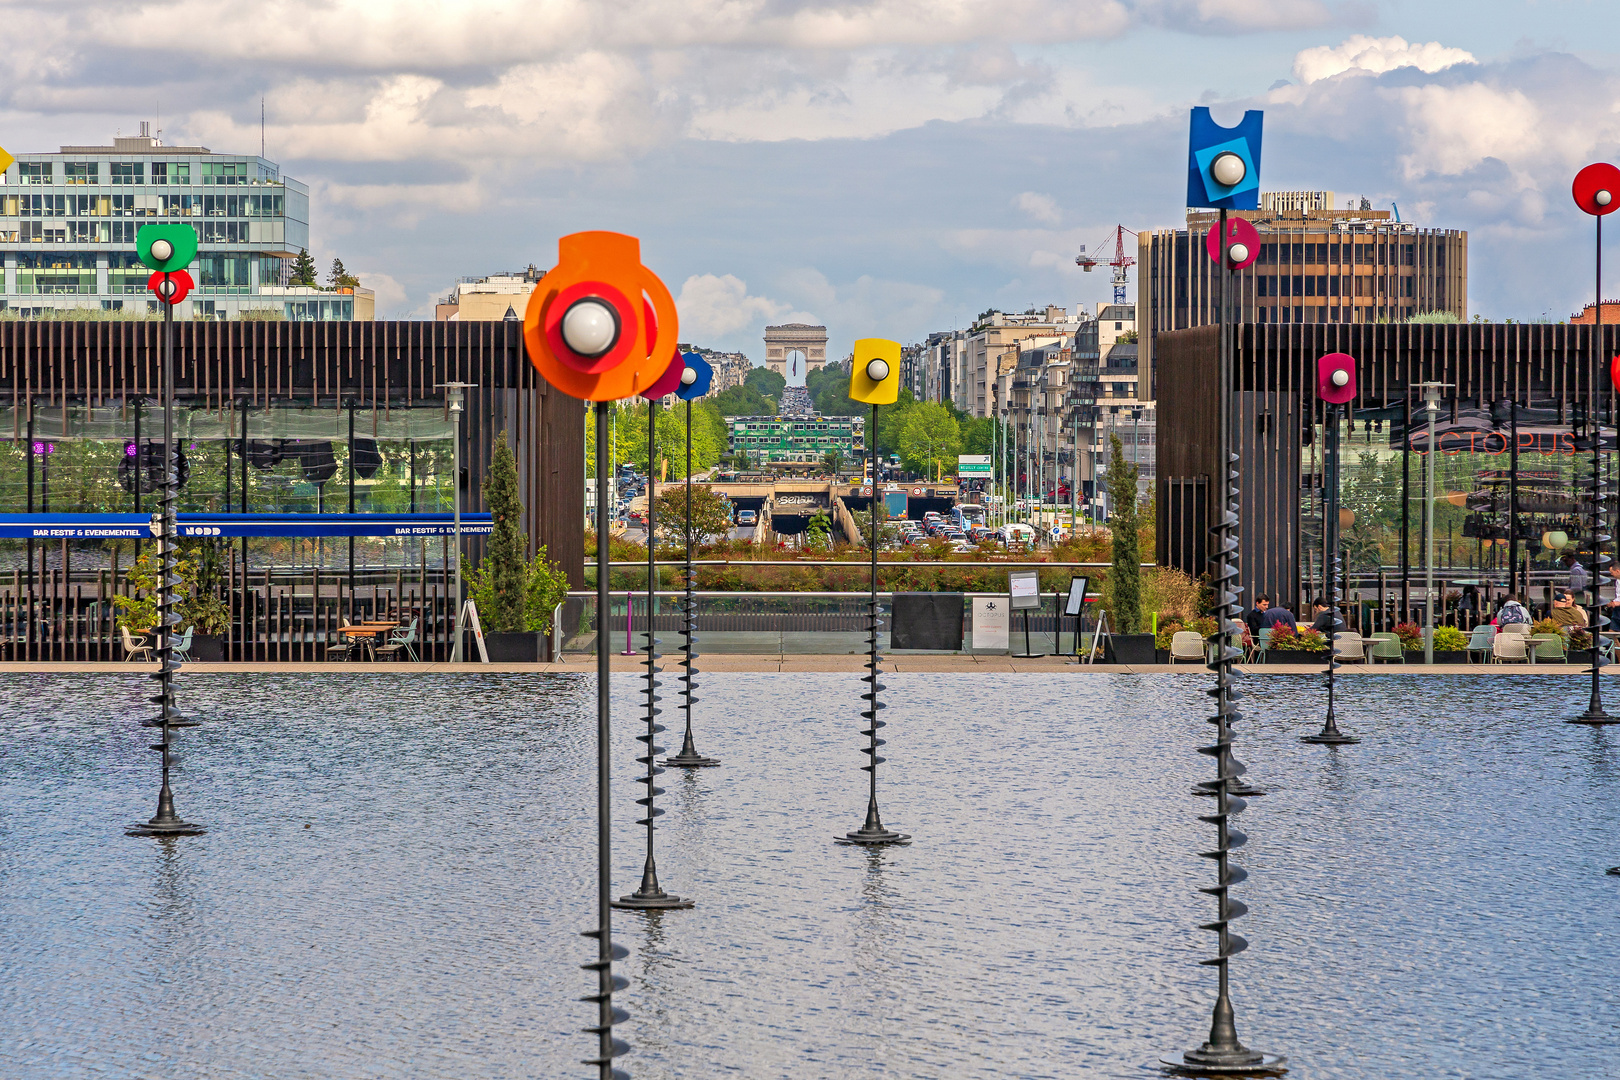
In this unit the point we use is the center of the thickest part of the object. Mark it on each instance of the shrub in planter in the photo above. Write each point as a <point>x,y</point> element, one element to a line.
<point>1449,639</point>
<point>1540,626</point>
<point>515,595</point>
<point>1411,635</point>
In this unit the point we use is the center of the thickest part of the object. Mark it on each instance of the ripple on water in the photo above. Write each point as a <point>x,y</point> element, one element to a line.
<point>1429,903</point>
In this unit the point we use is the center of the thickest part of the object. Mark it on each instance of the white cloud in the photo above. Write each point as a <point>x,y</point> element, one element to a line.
<point>1370,55</point>
<point>1042,208</point>
<point>1228,16</point>
<point>714,306</point>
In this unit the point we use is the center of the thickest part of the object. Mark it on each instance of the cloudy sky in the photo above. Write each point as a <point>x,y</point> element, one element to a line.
<point>888,167</point>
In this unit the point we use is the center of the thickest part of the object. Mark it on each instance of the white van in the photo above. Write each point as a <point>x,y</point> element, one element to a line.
<point>1015,533</point>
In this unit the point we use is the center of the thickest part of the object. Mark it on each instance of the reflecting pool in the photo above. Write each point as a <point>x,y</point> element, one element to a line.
<point>398,867</point>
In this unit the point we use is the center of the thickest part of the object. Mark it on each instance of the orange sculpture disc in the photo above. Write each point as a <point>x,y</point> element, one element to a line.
<point>639,356</point>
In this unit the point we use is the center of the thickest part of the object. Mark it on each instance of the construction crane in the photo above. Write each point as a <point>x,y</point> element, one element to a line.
<point>1120,262</point>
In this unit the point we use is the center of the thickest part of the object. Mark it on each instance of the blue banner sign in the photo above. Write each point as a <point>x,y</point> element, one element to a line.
<point>139,526</point>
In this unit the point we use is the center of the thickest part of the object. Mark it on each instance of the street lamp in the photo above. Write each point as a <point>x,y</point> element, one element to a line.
<point>453,401</point>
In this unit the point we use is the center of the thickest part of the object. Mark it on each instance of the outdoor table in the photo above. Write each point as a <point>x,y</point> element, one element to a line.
<point>367,634</point>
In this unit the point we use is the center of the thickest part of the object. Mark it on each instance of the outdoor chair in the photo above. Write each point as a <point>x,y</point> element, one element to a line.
<point>1510,648</point>
<point>135,648</point>
<point>1262,642</point>
<point>1520,628</point>
<point>1351,648</point>
<point>344,646</point>
<point>1385,646</point>
<point>1548,647</point>
<point>401,638</point>
<point>1480,642</point>
<point>182,647</point>
<point>1187,645</point>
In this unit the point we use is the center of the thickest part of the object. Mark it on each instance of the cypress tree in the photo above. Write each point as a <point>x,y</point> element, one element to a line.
<point>507,553</point>
<point>1125,580</point>
<point>303,269</point>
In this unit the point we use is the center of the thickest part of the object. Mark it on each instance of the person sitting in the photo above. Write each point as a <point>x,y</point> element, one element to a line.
<point>1277,616</point>
<point>1256,618</point>
<point>1565,612</point>
<point>1579,579</point>
<point>1327,621</point>
<point>1511,611</point>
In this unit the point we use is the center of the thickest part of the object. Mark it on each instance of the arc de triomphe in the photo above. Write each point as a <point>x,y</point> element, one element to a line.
<point>783,341</point>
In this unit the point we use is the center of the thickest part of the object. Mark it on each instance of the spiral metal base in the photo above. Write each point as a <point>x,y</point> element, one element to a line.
<point>1190,1064</point>
<point>873,833</point>
<point>1329,736</point>
<point>165,822</point>
<point>689,758</point>
<point>1597,496</point>
<point>1613,871</point>
<point>609,987</point>
<point>1595,719</point>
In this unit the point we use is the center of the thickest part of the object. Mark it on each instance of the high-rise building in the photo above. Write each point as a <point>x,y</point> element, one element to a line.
<point>68,222</point>
<point>1316,265</point>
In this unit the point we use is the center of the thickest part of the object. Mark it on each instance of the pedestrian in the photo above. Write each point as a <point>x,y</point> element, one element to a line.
<point>1579,579</point>
<point>1256,618</point>
<point>1327,621</point>
<point>1511,611</point>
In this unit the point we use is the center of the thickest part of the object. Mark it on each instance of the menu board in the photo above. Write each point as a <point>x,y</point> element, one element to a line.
<point>1024,588</point>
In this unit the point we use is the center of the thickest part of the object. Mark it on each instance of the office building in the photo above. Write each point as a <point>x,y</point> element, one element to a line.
<point>795,442</point>
<point>68,222</point>
<point>1316,265</point>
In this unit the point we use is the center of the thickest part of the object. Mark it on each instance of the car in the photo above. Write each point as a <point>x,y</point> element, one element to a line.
<point>962,547</point>
<point>747,517</point>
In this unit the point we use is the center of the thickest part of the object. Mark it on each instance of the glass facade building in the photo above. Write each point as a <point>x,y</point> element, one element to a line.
<point>68,222</point>
<point>796,441</point>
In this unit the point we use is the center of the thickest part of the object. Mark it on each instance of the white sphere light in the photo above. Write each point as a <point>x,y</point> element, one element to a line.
<point>689,376</point>
<point>1238,253</point>
<point>162,250</point>
<point>166,287</point>
<point>589,327</point>
<point>1603,198</point>
<point>1341,377</point>
<point>1228,169</point>
<point>877,370</point>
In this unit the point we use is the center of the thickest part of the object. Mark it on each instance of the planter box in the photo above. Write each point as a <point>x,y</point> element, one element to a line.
<point>208,647</point>
<point>1130,649</point>
<point>520,647</point>
<point>1582,657</point>
<point>1297,656</point>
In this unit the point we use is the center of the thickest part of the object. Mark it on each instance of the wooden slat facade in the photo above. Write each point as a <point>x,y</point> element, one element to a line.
<point>1273,379</point>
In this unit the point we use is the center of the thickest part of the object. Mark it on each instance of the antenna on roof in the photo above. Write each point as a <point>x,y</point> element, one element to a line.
<point>261,125</point>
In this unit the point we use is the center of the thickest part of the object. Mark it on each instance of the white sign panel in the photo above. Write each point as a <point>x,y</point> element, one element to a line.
<point>989,623</point>
<point>1024,586</point>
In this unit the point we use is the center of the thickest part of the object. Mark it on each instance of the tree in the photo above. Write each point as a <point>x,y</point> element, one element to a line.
<point>766,383</point>
<point>506,555</point>
<point>743,401</point>
<point>818,534</point>
<point>833,459</point>
<point>303,269</point>
<point>340,278</point>
<point>1125,579</point>
<point>930,437</point>
<point>711,515</point>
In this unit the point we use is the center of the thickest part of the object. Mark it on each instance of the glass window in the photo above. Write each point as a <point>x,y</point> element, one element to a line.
<point>128,172</point>
<point>224,172</point>
<point>182,205</point>
<point>125,272</point>
<point>34,172</point>
<point>79,172</point>
<point>171,172</point>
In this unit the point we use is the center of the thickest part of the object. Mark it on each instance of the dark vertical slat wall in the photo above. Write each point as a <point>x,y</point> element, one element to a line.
<point>1274,373</point>
<point>377,365</point>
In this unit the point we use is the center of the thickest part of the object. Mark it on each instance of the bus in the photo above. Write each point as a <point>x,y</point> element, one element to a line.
<point>964,515</point>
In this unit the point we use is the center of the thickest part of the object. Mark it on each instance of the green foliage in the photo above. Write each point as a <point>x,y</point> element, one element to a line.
<point>818,534</point>
<point>711,515</point>
<point>85,314</point>
<point>1433,317</point>
<point>1203,626</point>
<point>1451,639</point>
<point>743,401</point>
<point>834,460</point>
<point>303,269</point>
<point>340,278</point>
<point>1284,638</point>
<point>630,445</point>
<point>930,438</point>
<point>1127,338</point>
<point>201,574</point>
<point>264,315</point>
<point>766,383</point>
<point>1411,635</point>
<point>139,612</point>
<point>1125,579</point>
<point>505,558</point>
<point>829,390</point>
<point>545,586</point>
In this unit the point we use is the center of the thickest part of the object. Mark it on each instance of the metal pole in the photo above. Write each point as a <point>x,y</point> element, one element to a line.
<point>455,469</point>
<point>607,1046</point>
<point>1595,713</point>
<point>1431,398</point>
<point>166,822</point>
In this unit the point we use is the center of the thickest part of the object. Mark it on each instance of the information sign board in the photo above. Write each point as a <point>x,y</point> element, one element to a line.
<point>1024,589</point>
<point>1076,602</point>
<point>974,465</point>
<point>990,623</point>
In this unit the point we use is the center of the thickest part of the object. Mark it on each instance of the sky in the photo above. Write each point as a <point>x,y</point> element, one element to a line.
<point>885,167</point>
